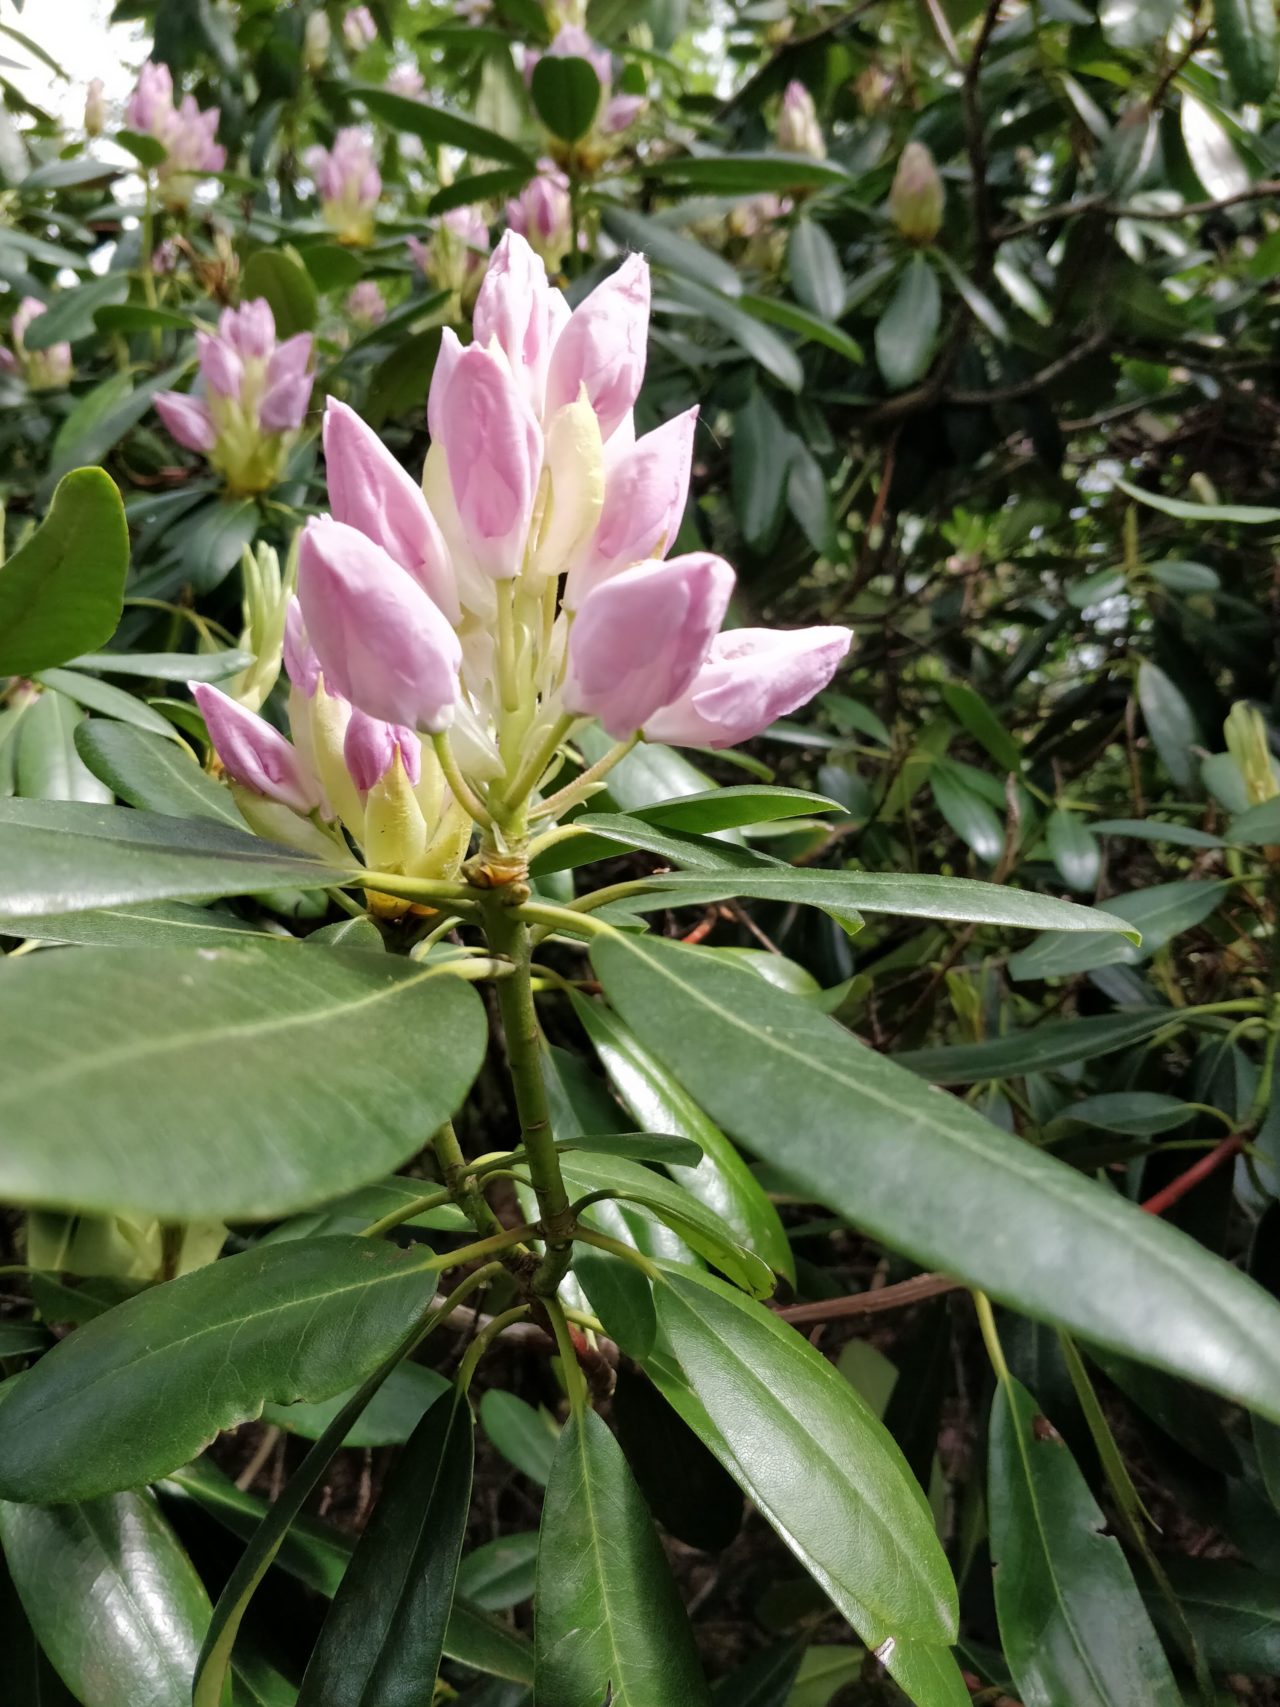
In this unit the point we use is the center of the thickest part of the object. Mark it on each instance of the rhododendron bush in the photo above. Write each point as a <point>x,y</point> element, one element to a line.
<point>638,834</point>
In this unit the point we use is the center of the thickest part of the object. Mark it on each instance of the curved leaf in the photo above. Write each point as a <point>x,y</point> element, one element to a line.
<point>62,592</point>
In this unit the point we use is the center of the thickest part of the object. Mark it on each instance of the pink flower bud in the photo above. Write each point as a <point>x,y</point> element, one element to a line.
<point>493,446</point>
<point>150,108</point>
<point>752,676</point>
<point>192,141</point>
<point>288,388</point>
<point>457,254</point>
<point>370,491</point>
<point>358,28</point>
<point>250,330</point>
<point>646,488</point>
<point>365,303</point>
<point>300,661</point>
<point>520,309</point>
<point>603,346</point>
<point>620,113</point>
<point>917,196</point>
<point>220,365</point>
<point>349,184</point>
<point>406,80</point>
<point>370,747</point>
<point>254,753</point>
<point>187,419</point>
<point>381,642</point>
<point>543,214</point>
<point>798,129</point>
<point>639,639</point>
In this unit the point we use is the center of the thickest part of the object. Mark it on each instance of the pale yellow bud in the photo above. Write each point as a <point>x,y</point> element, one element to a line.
<point>917,196</point>
<point>395,833</point>
<point>573,487</point>
<point>1247,743</point>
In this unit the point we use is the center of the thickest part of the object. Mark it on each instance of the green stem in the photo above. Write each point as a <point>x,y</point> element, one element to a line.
<point>603,1242</point>
<point>147,240</point>
<point>406,1212</point>
<point>460,1180</point>
<point>484,1339</point>
<point>991,1338</point>
<point>528,777</point>
<point>581,786</point>
<point>508,935</point>
<point>459,787</point>
<point>544,913</point>
<point>575,1382</point>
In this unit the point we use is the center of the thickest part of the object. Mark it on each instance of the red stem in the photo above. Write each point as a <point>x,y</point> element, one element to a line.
<point>1178,1188</point>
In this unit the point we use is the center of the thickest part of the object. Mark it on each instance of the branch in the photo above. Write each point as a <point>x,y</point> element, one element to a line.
<point>913,1291</point>
<point>1178,1188</point>
<point>984,248</point>
<point>1098,203</point>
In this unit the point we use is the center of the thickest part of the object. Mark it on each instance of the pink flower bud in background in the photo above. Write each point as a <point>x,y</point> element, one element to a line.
<point>542,214</point>
<point>620,113</point>
<point>43,370</point>
<point>917,196</point>
<point>220,365</point>
<point>798,130</point>
<point>457,253</point>
<point>370,749</point>
<point>646,488</point>
<point>150,108</point>
<point>493,447</point>
<point>288,386</point>
<point>366,305</point>
<point>349,184</point>
<point>254,753</point>
<point>188,420</point>
<point>406,80</point>
<point>519,308</point>
<point>751,677</point>
<point>358,28</point>
<point>381,642</point>
<point>604,345</point>
<point>316,37</point>
<point>370,491</point>
<point>95,108</point>
<point>192,142</point>
<point>639,639</point>
<point>250,330</point>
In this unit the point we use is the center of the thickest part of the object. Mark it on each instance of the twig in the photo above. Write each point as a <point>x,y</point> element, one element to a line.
<point>975,133</point>
<point>265,1447</point>
<point>1178,1188</point>
<point>913,1291</point>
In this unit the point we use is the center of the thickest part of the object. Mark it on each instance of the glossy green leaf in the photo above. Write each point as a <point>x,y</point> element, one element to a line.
<point>61,592</point>
<point>764,1681</point>
<point>47,767</point>
<point>729,808</point>
<point>603,835</point>
<point>1233,1610</point>
<point>567,95</point>
<point>435,125</point>
<point>666,247</point>
<point>524,1436</point>
<point>141,1389</point>
<point>1074,850</point>
<point>929,1176</point>
<point>168,666</point>
<point>286,284</point>
<point>639,1146</point>
<point>179,1135</point>
<point>138,317</point>
<point>1038,1049</point>
<point>1259,826</point>
<point>907,331</point>
<point>1161,913</point>
<point>1157,830</point>
<point>1170,722</point>
<point>499,1573</point>
<point>759,341</point>
<point>1247,36</point>
<point>112,1597</point>
<point>609,1626</point>
<point>813,1457</point>
<point>1141,1113</point>
<point>970,709</point>
<point>721,1181</point>
<point>1072,1623</point>
<point>477,187</point>
<point>810,328</point>
<point>1181,577</point>
<point>816,274</point>
<point>111,701</point>
<point>968,813</point>
<point>146,924</point>
<point>1183,511</point>
<point>158,775</point>
<point>70,313</point>
<point>750,174</point>
<point>388,1419</point>
<point>382,1640</point>
<point>621,1296</point>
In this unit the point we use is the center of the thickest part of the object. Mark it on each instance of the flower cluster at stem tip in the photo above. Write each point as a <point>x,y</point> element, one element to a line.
<point>43,370</point>
<point>525,587</point>
<point>187,133</point>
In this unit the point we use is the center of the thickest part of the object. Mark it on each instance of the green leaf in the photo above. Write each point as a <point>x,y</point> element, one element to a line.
<point>110,701</point>
<point>382,1640</point>
<point>1072,1623</point>
<point>113,1599</point>
<point>146,150</point>
<point>1141,1113</point>
<point>965,810</point>
<point>525,1437</point>
<point>567,94</point>
<point>154,774</point>
<point>638,1146</point>
<point>777,311</point>
<point>1247,39</point>
<point>1161,913</point>
<point>765,347</point>
<point>63,591</point>
<point>1259,826</point>
<point>168,666</point>
<point>927,1175</point>
<point>192,1116</point>
<point>907,331</point>
<point>729,808</point>
<point>297,1320</point>
<point>721,1180</point>
<point>912,895</point>
<point>1185,577</point>
<point>477,187</point>
<point>749,174</point>
<point>761,458</point>
<point>1233,1610</point>
<point>811,1454</point>
<point>129,927</point>
<point>389,1419</point>
<point>70,315</point>
<point>622,1298</point>
<point>610,1626</point>
<point>764,1681</point>
<point>1158,830</point>
<point>1039,1049</point>
<point>970,709</point>
<point>137,317</point>
<point>499,1573</point>
<point>1074,850</point>
<point>47,767</point>
<point>435,125</point>
<point>280,277</point>
<point>1252,514</point>
<point>96,433</point>
<point>672,249</point>
<point>816,274</point>
<point>61,856</point>
<point>1170,722</point>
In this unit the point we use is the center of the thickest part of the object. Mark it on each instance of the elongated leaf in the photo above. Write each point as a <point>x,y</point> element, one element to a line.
<point>610,1626</point>
<point>672,249</point>
<point>1072,1623</point>
<point>1170,722</point>
<point>813,1457</point>
<point>157,775</point>
<point>601,835</point>
<point>1234,1611</point>
<point>777,311</point>
<point>1160,913</point>
<point>907,331</point>
<point>168,666</point>
<point>847,892</point>
<point>1157,830</point>
<point>983,724</point>
<point>47,767</point>
<point>729,808</point>
<point>389,1419</point>
<point>179,1135</point>
<point>969,815</point>
<point>1143,1113</point>
<point>59,856</point>
<point>62,591</point>
<point>111,701</point>
<point>749,174</point>
<point>500,1573</point>
<point>929,1176</point>
<point>567,93</point>
<point>524,1436</point>
<point>1075,850</point>
<point>131,927</point>
<point>285,283</point>
<point>435,125</point>
<point>70,314</point>
<point>1039,1049</point>
<point>1247,36</point>
<point>763,345</point>
<point>382,1641</point>
<point>112,1597</point>
<point>816,274</point>
<point>141,1389</point>
<point>1255,514</point>
<point>721,1181</point>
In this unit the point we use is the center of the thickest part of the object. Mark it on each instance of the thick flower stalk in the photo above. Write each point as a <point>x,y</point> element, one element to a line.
<point>43,370</point>
<point>543,215</point>
<point>527,587</point>
<point>349,184</point>
<point>456,254</point>
<point>188,134</point>
<point>253,399</point>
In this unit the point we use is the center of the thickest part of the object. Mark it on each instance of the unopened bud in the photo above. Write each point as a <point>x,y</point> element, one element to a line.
<point>95,109</point>
<point>1247,743</point>
<point>315,41</point>
<point>917,196</point>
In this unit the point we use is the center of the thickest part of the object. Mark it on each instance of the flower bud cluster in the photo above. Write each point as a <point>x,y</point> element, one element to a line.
<point>189,135</point>
<point>253,399</point>
<point>456,254</point>
<point>349,184</point>
<point>43,370</point>
<point>615,114</point>
<point>543,215</point>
